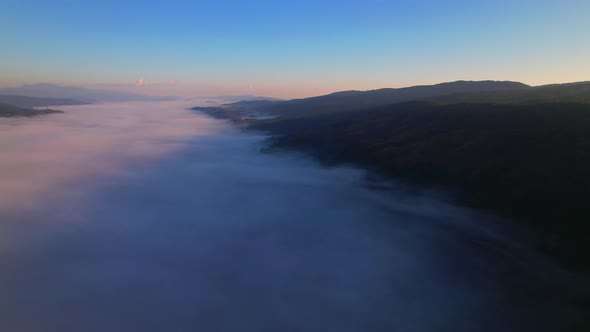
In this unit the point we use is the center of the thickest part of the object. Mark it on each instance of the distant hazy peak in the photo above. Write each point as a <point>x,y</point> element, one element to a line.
<point>29,102</point>
<point>49,90</point>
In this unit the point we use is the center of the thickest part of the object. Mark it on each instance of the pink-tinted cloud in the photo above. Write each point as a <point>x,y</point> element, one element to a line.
<point>41,157</point>
<point>139,82</point>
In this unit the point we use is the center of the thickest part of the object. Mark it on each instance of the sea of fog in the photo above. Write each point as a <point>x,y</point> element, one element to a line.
<point>152,217</point>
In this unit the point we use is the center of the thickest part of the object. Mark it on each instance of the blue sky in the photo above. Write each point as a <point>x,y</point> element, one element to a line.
<point>290,48</point>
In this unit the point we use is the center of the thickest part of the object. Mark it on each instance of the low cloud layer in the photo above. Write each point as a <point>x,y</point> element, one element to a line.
<point>141,217</point>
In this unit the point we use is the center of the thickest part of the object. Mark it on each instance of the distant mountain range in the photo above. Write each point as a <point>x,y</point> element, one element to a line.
<point>30,102</point>
<point>72,95</point>
<point>84,95</point>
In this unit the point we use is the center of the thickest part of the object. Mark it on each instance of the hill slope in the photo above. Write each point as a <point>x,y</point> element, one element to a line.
<point>490,92</point>
<point>351,100</point>
<point>520,151</point>
<point>555,93</point>
<point>529,162</point>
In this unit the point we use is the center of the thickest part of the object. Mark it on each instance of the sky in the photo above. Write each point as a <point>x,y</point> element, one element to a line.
<point>290,49</point>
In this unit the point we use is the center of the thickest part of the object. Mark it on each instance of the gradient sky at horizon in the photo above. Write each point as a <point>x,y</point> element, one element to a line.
<point>290,48</point>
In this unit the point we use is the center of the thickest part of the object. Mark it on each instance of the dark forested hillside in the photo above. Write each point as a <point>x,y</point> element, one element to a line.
<point>521,151</point>
<point>530,162</point>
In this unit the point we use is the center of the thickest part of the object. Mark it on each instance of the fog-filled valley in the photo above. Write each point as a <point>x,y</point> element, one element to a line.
<point>148,216</point>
